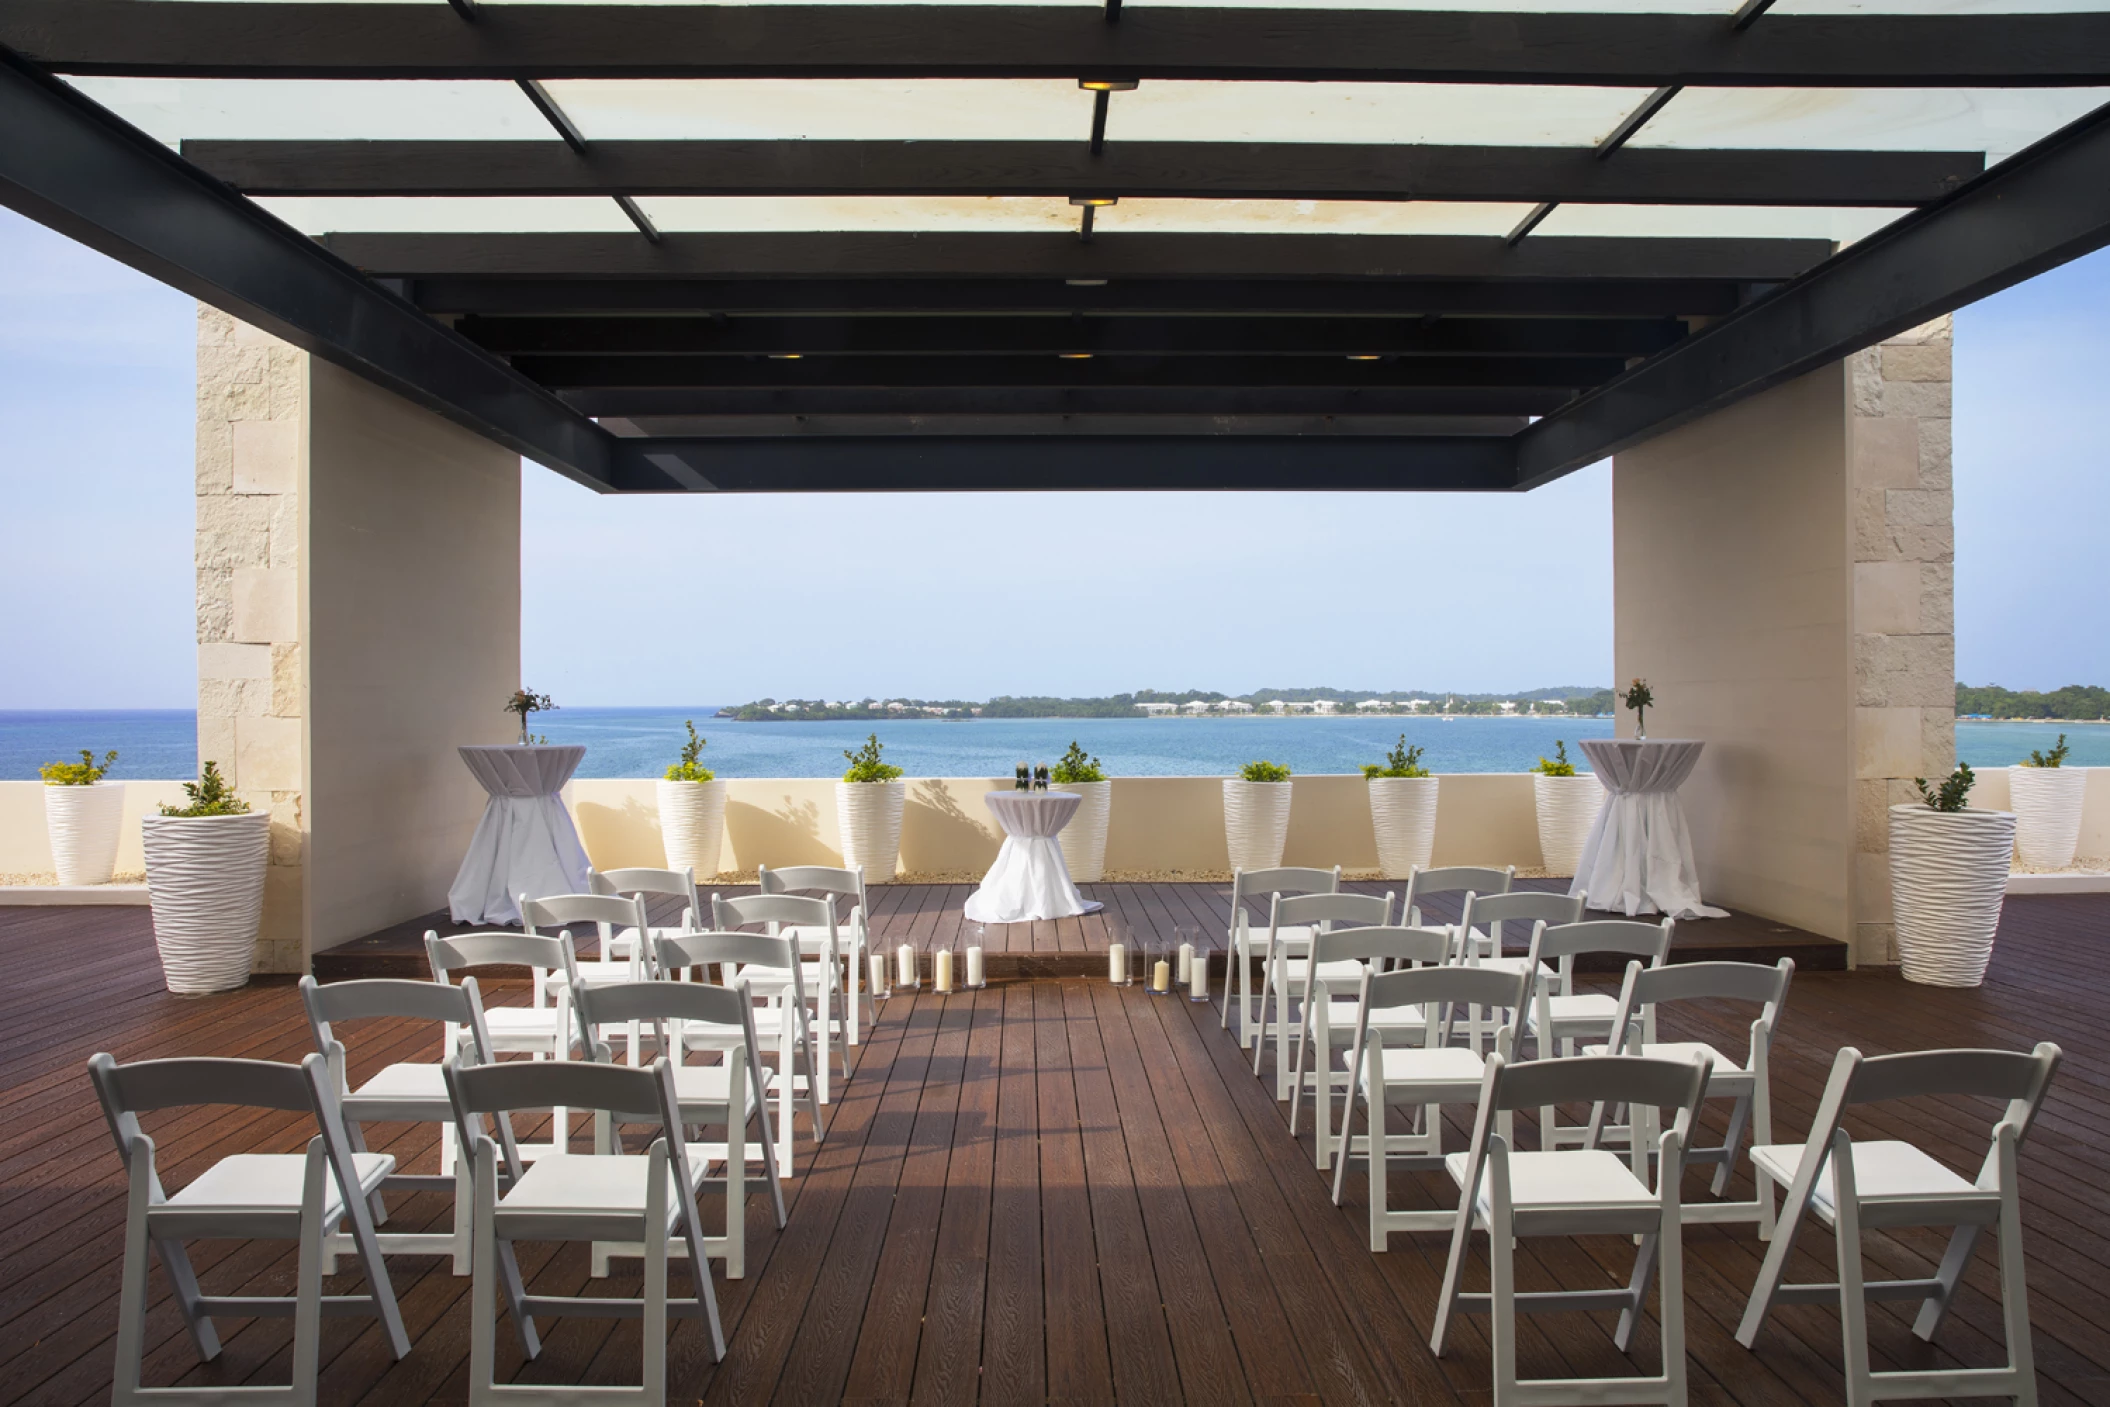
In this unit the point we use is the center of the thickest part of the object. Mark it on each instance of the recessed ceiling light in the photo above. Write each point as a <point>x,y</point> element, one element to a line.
<point>1107,85</point>
<point>1075,356</point>
<point>785,356</point>
<point>1095,201</point>
<point>1364,357</point>
<point>1085,282</point>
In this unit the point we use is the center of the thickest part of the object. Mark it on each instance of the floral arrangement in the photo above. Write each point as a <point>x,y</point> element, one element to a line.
<point>1952,793</point>
<point>1402,761</point>
<point>209,796</point>
<point>1558,765</point>
<point>87,772</point>
<point>1075,767</point>
<point>525,702</point>
<point>866,766</point>
<point>691,768</point>
<point>1640,699</point>
<point>2055,758</point>
<point>1263,772</point>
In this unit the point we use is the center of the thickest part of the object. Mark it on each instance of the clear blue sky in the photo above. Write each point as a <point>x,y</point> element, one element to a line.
<point>924,594</point>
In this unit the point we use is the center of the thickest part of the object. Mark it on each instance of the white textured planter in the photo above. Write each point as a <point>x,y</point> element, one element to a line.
<point>205,880</point>
<point>1403,812</point>
<point>868,817</point>
<point>1084,838</point>
<point>1567,808</point>
<point>2047,802</point>
<point>83,824</point>
<point>1948,874</point>
<point>692,825</point>
<point>1256,822</point>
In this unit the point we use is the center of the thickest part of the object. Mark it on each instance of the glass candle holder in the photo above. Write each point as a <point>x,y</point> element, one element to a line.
<point>1157,977</point>
<point>1198,974</point>
<point>908,975</point>
<point>1121,964</point>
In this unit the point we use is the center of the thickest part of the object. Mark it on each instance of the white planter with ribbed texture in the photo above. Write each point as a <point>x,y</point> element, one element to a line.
<point>1567,808</point>
<point>1403,813</point>
<point>1948,875</point>
<point>1256,822</point>
<point>205,880</point>
<point>2047,802</point>
<point>1084,838</point>
<point>83,824</point>
<point>692,825</point>
<point>868,817</point>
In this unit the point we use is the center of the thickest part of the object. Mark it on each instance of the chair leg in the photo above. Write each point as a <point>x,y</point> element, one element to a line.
<point>2014,1297</point>
<point>1731,1144</point>
<point>1671,1313</point>
<point>451,1160</point>
<point>735,1179</point>
<point>1380,1238</point>
<point>1502,1297</point>
<point>851,987</point>
<point>1853,1290</point>
<point>820,1062</point>
<point>1454,1269</point>
<point>132,1289</point>
<point>654,1314</point>
<point>307,1282</point>
<point>1637,1292</point>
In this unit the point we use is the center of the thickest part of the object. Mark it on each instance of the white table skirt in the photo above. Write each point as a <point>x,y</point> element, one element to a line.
<point>1638,859</point>
<point>1029,879</point>
<point>525,843</point>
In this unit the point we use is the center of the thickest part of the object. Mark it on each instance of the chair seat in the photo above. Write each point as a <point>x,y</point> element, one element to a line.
<point>595,974</point>
<point>1885,1170</point>
<point>586,1185</point>
<point>1293,937</point>
<point>521,1023</point>
<point>813,937</point>
<point>399,1085</point>
<point>774,981</point>
<point>1521,965</point>
<point>1444,1065</point>
<point>1343,972</point>
<point>250,1183</point>
<point>1725,1072</point>
<point>1583,1006</point>
<point>1585,1179</point>
<point>712,1085</point>
<point>1343,1012</point>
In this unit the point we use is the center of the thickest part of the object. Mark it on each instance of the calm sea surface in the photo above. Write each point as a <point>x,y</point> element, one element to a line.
<point>642,742</point>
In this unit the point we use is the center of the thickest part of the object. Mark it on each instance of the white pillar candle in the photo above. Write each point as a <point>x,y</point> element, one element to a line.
<point>1161,977</point>
<point>941,972</point>
<point>1117,963</point>
<point>1198,971</point>
<point>905,966</point>
<point>1186,957</point>
<point>974,967</point>
<point>878,966</point>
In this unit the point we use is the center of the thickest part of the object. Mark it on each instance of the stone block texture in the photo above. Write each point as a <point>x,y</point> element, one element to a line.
<point>1904,641</point>
<point>252,395</point>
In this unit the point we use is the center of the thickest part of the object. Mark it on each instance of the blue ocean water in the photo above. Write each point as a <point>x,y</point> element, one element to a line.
<point>642,742</point>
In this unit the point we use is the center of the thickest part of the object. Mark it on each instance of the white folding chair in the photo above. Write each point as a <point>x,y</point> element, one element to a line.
<point>1422,1076</point>
<point>853,932</point>
<point>820,978</point>
<point>611,915</point>
<point>1881,1183</point>
<point>1292,922</point>
<point>1562,1018</point>
<point>1482,917</point>
<point>1468,880</point>
<point>1252,886</point>
<point>731,1094</point>
<point>741,958</point>
<point>1574,1192</point>
<point>1329,1018</point>
<point>637,883</point>
<point>405,1092</point>
<point>542,1030</point>
<point>647,1198</point>
<point>1648,990</point>
<point>299,1197</point>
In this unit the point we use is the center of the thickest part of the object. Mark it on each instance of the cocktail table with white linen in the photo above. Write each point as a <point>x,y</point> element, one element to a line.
<point>525,843</point>
<point>1638,859</point>
<point>1029,879</point>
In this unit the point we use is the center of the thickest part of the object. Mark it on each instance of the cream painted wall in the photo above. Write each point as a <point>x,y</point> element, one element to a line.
<point>1732,584</point>
<point>411,643</point>
<point>25,848</point>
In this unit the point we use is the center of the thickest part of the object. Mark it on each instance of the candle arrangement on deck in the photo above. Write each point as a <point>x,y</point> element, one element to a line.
<point>976,977</point>
<point>1159,978</point>
<point>941,972</point>
<point>880,986</point>
<point>907,978</point>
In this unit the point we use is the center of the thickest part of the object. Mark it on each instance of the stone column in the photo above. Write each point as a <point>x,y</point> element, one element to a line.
<point>252,392</point>
<point>1904,553</point>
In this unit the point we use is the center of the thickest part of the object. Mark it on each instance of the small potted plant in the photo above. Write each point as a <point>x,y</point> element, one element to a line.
<point>205,881</point>
<point>868,805</point>
<point>692,811</point>
<point>1084,838</point>
<point>1256,815</point>
<point>1640,698</point>
<point>83,814</point>
<point>1948,875</point>
<point>526,702</point>
<point>1402,810</point>
<point>1568,803</point>
<point>2047,796</point>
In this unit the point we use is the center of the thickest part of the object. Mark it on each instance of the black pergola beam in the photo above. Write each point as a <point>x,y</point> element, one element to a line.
<point>1226,401</point>
<point>1070,425</point>
<point>1216,170</point>
<point>897,464</point>
<point>581,372</point>
<point>2035,211</point>
<point>67,163</point>
<point>1214,336</point>
<point>167,38</point>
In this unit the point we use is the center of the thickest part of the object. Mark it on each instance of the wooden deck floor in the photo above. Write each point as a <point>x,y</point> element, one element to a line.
<point>926,915</point>
<point>1048,1191</point>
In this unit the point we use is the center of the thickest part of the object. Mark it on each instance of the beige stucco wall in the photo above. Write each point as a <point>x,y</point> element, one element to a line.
<point>410,611</point>
<point>1731,589</point>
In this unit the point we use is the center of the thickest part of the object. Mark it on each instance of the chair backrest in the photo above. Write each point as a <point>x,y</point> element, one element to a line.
<point>605,911</point>
<point>540,954</point>
<point>1381,945</point>
<point>1454,879</point>
<point>1647,989</point>
<point>1625,936</point>
<point>678,952</point>
<point>1488,912</point>
<point>1436,987</point>
<point>1284,879</point>
<point>814,879</point>
<point>678,884</point>
<point>392,998</point>
<point>771,909</point>
<point>1324,910</point>
<point>629,1094</point>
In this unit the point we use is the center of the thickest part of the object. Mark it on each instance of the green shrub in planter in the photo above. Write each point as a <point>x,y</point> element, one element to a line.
<point>866,765</point>
<point>1558,765</point>
<point>2055,758</point>
<point>87,772</point>
<point>209,796</point>
<point>1263,772</point>
<point>691,768</point>
<point>1075,768</point>
<point>1402,761</point>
